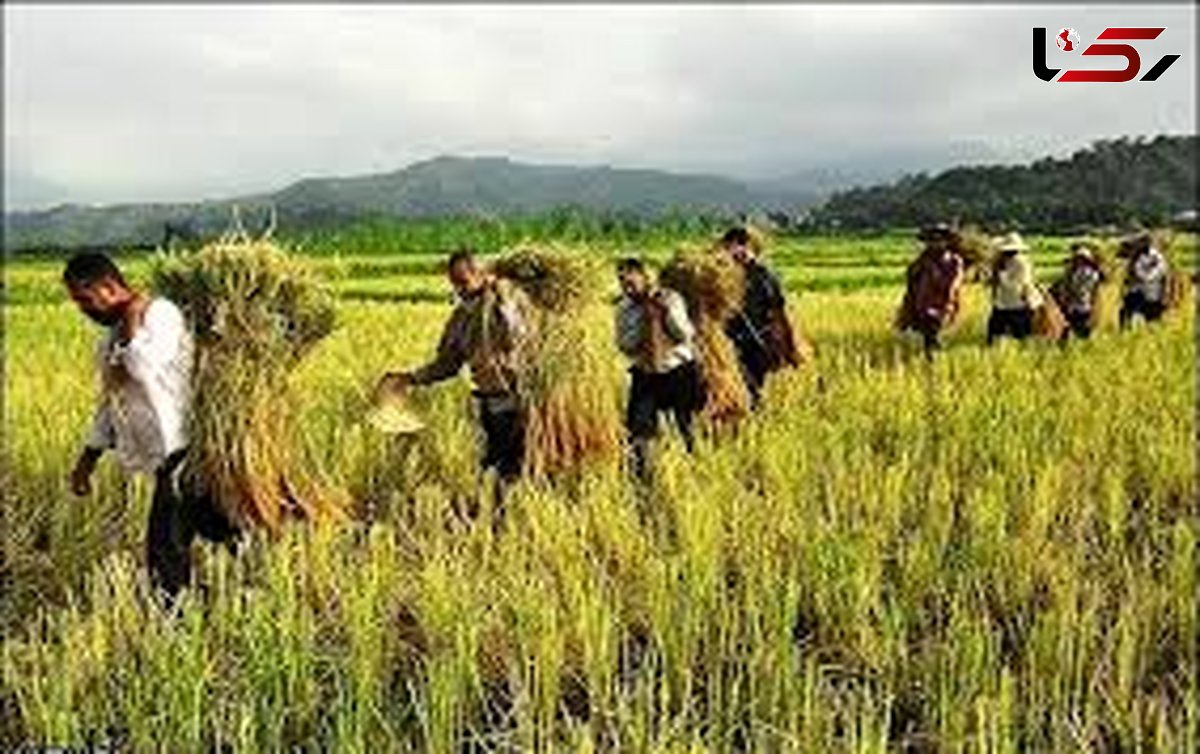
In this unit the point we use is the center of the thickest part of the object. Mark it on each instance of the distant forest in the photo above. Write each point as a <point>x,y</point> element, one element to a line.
<point>1114,182</point>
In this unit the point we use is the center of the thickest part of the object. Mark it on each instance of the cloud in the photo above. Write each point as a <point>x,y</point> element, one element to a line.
<point>154,102</point>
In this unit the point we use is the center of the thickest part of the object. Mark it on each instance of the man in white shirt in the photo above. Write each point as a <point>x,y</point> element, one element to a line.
<point>1145,280</point>
<point>145,364</point>
<point>655,331</point>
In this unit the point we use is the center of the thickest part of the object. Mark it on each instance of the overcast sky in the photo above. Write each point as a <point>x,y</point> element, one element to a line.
<point>106,104</point>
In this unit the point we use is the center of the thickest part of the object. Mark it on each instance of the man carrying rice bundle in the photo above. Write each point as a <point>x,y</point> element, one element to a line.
<point>932,296</point>
<point>1076,290</point>
<point>759,329</point>
<point>487,331</point>
<point>653,329</point>
<point>145,363</point>
<point>1015,295</point>
<point>1146,279</point>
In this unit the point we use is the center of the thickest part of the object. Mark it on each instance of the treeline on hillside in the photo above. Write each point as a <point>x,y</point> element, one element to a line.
<point>618,230</point>
<point>1118,182</point>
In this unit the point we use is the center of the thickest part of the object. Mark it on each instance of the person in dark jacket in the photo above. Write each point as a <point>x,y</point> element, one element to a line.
<point>934,280</point>
<point>759,328</point>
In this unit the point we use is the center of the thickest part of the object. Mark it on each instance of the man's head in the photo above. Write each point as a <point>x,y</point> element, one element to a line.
<point>1138,243</point>
<point>737,244</point>
<point>97,287</point>
<point>632,275</point>
<point>465,274</point>
<point>938,237</point>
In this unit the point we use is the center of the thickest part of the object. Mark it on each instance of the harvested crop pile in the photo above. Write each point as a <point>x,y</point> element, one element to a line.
<point>712,285</point>
<point>1048,319</point>
<point>572,419</point>
<point>974,245</point>
<point>255,312</point>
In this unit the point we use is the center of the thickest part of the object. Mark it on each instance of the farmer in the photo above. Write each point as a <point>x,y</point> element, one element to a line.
<point>1015,295</point>
<point>760,330</point>
<point>932,296</point>
<point>1076,290</point>
<point>653,329</point>
<point>487,331</point>
<point>145,364</point>
<point>1145,280</point>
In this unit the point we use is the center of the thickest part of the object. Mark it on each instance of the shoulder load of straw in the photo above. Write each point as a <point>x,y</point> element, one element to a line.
<point>255,312</point>
<point>1048,319</point>
<point>712,285</point>
<point>572,416</point>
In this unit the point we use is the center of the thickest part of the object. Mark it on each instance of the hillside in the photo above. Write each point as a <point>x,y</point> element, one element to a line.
<point>444,186</point>
<point>1110,182</point>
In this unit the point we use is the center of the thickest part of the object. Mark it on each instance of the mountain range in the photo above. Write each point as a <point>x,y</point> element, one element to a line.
<point>446,185</point>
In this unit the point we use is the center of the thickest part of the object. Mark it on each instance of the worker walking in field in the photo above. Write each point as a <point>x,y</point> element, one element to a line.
<point>654,330</point>
<point>1015,294</point>
<point>1146,278</point>
<point>933,291</point>
<point>145,364</point>
<point>487,331</point>
<point>759,329</point>
<point>1077,289</point>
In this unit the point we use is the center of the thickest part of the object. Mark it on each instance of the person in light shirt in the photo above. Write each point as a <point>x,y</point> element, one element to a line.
<point>1145,280</point>
<point>144,360</point>
<point>1015,294</point>
<point>654,330</point>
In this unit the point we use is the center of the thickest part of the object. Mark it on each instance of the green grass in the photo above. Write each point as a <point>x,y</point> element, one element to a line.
<point>995,552</point>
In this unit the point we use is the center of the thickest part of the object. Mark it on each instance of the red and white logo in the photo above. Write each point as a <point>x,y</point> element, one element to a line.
<point>1113,42</point>
<point>1067,39</point>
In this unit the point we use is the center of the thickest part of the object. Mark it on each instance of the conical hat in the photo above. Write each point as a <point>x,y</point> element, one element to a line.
<point>391,415</point>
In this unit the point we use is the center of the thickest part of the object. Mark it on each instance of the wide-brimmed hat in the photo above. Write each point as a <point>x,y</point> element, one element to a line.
<point>1083,250</point>
<point>1011,242</point>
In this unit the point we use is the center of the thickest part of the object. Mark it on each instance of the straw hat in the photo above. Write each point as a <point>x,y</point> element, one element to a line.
<point>1012,242</point>
<point>1083,250</point>
<point>391,415</point>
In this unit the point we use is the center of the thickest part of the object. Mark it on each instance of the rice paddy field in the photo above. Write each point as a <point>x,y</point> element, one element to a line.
<point>992,552</point>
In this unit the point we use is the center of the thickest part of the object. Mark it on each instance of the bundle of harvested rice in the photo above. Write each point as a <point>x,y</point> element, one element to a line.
<point>554,279</point>
<point>1176,290</point>
<point>1177,283</point>
<point>712,285</point>
<point>974,245</point>
<point>255,312</point>
<point>572,416</point>
<point>1048,319</point>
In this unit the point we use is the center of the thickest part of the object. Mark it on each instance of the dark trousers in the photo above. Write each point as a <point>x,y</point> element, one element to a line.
<point>930,328</point>
<point>678,392</point>
<point>179,511</point>
<point>755,365</point>
<point>1135,302</point>
<point>1079,325</point>
<point>1017,323</point>
<point>503,436</point>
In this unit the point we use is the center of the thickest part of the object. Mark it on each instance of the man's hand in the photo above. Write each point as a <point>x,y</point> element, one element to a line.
<point>393,382</point>
<point>81,475</point>
<point>131,318</point>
